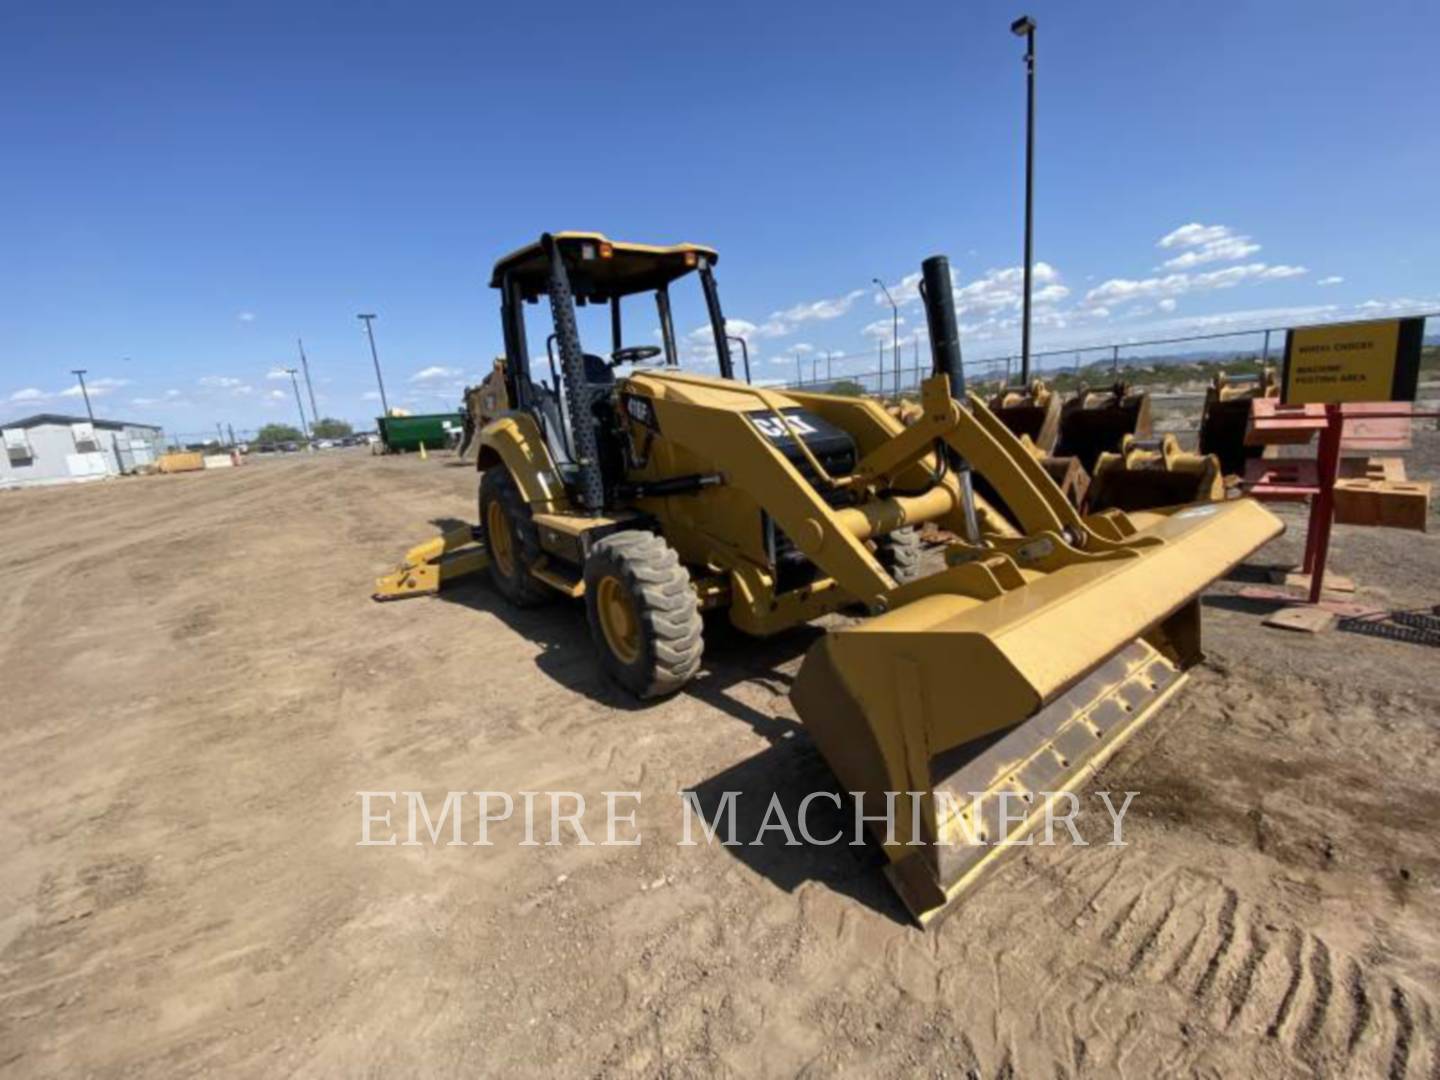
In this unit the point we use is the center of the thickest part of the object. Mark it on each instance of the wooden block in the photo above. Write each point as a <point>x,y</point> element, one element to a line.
<point>1297,580</point>
<point>1301,617</point>
<point>1390,503</point>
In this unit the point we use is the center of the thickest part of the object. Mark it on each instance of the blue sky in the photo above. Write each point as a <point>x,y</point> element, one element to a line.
<point>189,188</point>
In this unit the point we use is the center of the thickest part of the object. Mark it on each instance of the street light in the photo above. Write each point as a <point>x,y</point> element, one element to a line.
<point>80,374</point>
<point>384,406</point>
<point>1025,27</point>
<point>894,338</point>
<point>304,428</point>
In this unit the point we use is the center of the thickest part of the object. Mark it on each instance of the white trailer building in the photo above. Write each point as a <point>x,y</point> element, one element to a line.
<point>52,449</point>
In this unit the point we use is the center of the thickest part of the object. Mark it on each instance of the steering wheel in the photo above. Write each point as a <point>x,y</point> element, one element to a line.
<point>634,354</point>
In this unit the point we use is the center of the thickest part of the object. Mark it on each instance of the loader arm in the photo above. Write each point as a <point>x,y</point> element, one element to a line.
<point>754,465</point>
<point>978,436</point>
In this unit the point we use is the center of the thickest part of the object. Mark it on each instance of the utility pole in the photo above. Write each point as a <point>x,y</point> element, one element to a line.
<point>219,434</point>
<point>1025,27</point>
<point>304,428</point>
<point>231,429</point>
<point>370,332</point>
<point>80,374</point>
<point>305,367</point>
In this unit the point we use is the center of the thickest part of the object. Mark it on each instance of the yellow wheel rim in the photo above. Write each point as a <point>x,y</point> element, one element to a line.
<point>617,620</point>
<point>497,538</point>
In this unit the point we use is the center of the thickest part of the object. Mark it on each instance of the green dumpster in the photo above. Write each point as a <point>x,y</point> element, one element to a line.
<point>436,430</point>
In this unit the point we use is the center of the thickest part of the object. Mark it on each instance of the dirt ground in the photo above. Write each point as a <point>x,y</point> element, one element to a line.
<point>196,686</point>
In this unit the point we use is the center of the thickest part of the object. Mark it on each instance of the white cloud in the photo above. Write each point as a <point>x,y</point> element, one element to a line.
<point>742,328</point>
<point>819,309</point>
<point>277,373</point>
<point>95,387</point>
<point>222,381</point>
<point>29,393</point>
<point>1167,304</point>
<point>144,401</point>
<point>246,316</point>
<point>1227,250</point>
<point>1333,279</point>
<point>995,290</point>
<point>1193,235</point>
<point>1122,290</point>
<point>881,329</point>
<point>434,372</point>
<point>1206,244</point>
<point>276,395</point>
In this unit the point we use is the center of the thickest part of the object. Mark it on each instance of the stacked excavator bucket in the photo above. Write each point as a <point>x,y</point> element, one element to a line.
<point>1226,416</point>
<point>1093,422</point>
<point>1147,474</point>
<point>1034,415</point>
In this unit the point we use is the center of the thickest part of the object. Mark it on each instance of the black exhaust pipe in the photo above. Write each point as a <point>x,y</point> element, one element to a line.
<point>939,298</point>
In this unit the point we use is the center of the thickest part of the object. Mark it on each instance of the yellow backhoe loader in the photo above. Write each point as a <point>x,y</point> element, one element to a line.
<point>976,693</point>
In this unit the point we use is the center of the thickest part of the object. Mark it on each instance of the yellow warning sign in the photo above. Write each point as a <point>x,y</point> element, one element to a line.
<point>1365,361</point>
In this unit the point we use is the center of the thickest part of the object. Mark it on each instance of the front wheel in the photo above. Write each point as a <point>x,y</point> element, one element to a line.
<point>511,538</point>
<point>643,613</point>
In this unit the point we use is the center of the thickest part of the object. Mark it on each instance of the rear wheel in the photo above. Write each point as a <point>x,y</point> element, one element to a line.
<point>644,616</point>
<point>899,553</point>
<point>511,538</point>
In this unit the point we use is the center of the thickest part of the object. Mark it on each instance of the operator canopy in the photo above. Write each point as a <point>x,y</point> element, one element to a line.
<point>599,268</point>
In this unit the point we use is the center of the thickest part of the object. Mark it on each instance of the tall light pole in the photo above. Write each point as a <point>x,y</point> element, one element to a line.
<point>80,374</point>
<point>1025,27</point>
<point>370,332</point>
<point>304,428</point>
<point>894,332</point>
<point>305,367</point>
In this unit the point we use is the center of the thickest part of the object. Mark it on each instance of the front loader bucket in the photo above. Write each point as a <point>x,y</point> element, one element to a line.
<point>982,713</point>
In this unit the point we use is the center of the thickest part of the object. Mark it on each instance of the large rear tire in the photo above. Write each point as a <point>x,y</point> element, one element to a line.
<point>511,538</point>
<point>899,553</point>
<point>643,613</point>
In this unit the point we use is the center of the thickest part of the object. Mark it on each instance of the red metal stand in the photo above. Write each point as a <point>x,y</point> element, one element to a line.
<point>1292,479</point>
